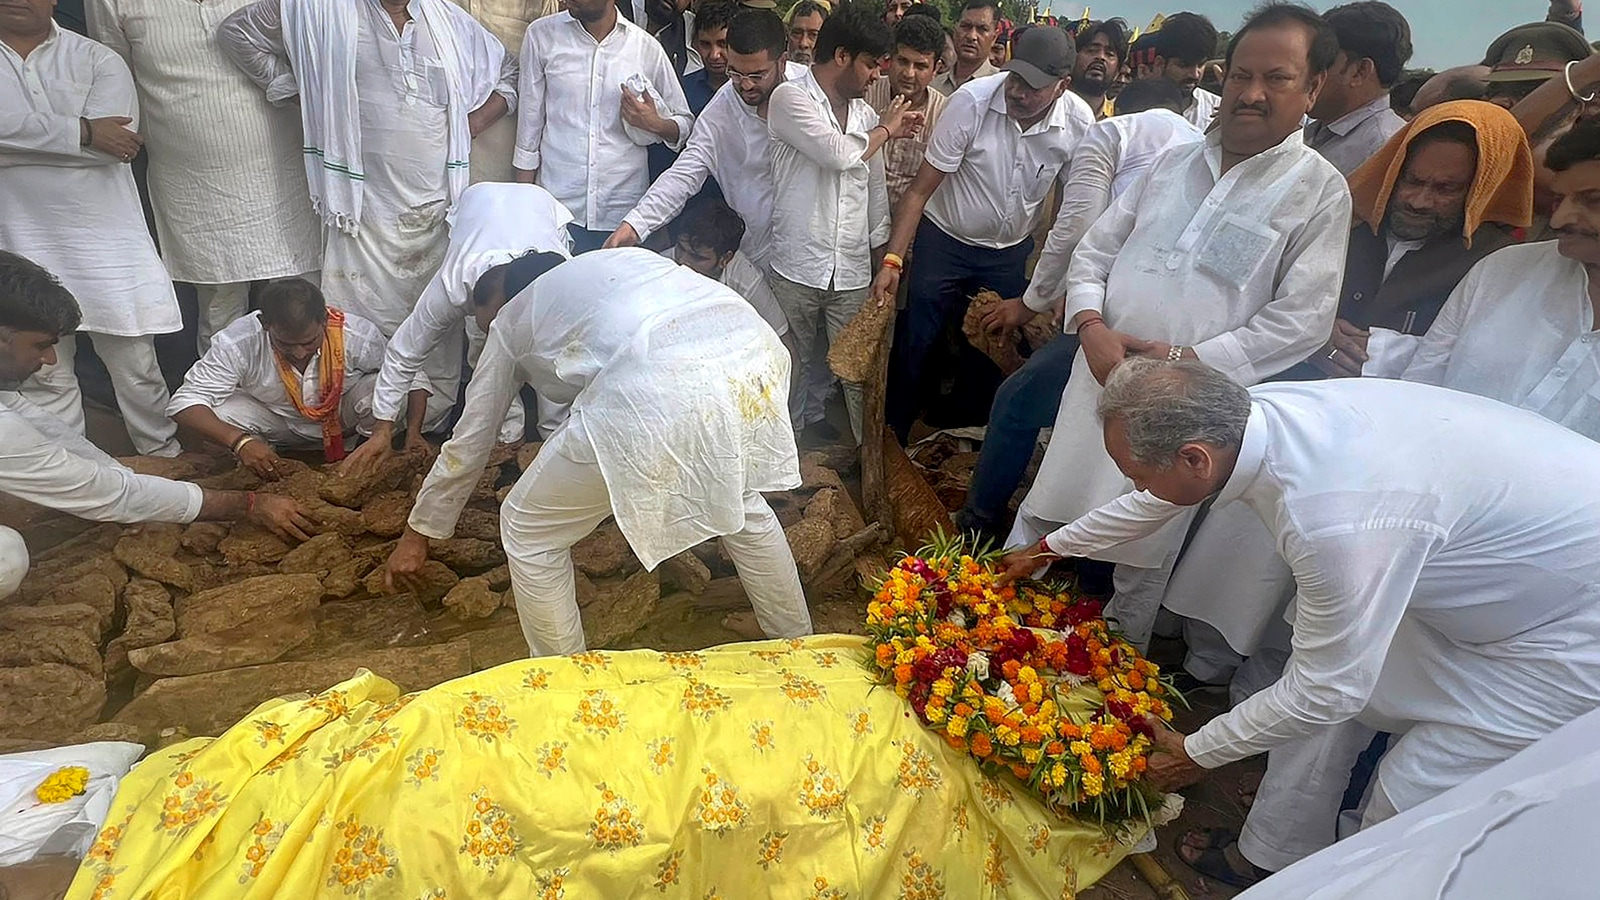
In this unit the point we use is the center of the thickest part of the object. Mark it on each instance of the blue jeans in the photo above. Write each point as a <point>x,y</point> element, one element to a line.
<point>584,240</point>
<point>943,275</point>
<point>1025,403</point>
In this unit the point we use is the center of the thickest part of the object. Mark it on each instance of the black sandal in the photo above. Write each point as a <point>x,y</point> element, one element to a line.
<point>1213,861</point>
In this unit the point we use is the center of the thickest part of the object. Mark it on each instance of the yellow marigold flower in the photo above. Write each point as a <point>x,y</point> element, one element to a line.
<point>943,687</point>
<point>1093,784</point>
<point>957,727</point>
<point>1080,748</point>
<point>1058,773</point>
<point>1027,675</point>
<point>62,785</point>
<point>936,714</point>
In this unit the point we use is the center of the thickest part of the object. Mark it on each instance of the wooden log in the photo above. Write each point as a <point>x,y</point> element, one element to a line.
<point>1151,870</point>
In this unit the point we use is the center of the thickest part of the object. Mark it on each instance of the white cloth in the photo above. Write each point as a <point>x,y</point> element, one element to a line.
<point>405,113</point>
<point>1256,255</point>
<point>831,207</point>
<point>462,65</point>
<point>997,176</point>
<point>1355,137</point>
<point>673,378</point>
<point>569,126</point>
<point>1524,828</point>
<point>748,282</point>
<point>44,461</point>
<point>74,210</point>
<point>493,224</point>
<point>226,180</point>
<point>1203,109</point>
<point>241,362</point>
<point>248,414</point>
<point>562,497</point>
<point>136,377</point>
<point>1442,545</point>
<point>30,829</point>
<point>732,144</point>
<point>1114,153</point>
<point>13,561</point>
<point>1520,328</point>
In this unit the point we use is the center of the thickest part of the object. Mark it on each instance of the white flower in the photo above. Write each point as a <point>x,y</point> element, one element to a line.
<point>978,666</point>
<point>1171,808</point>
<point>1004,692</point>
<point>958,619</point>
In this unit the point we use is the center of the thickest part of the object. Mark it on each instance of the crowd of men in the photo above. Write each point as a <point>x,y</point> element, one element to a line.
<point>1265,258</point>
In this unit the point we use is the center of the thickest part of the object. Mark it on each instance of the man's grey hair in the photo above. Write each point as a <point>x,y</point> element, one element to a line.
<point>1164,405</point>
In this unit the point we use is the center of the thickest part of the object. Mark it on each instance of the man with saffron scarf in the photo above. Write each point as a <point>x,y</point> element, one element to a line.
<point>296,371</point>
<point>391,93</point>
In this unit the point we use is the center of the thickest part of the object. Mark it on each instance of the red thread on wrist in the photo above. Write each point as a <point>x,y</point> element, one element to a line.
<point>1092,320</point>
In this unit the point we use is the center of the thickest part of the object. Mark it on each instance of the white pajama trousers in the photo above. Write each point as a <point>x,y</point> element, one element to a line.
<point>135,376</point>
<point>13,561</point>
<point>562,497</point>
<point>355,413</point>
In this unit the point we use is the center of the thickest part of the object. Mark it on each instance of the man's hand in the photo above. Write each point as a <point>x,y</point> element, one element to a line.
<point>1347,348</point>
<point>489,113</point>
<point>416,443</point>
<point>898,119</point>
<point>1170,765</point>
<point>259,457</point>
<point>1103,348</point>
<point>885,285</point>
<point>375,452</point>
<point>283,517</point>
<point>1023,563</point>
<point>1057,310</point>
<point>525,176</point>
<point>410,552</point>
<point>110,136</point>
<point>1006,317</point>
<point>624,236</point>
<point>639,110</point>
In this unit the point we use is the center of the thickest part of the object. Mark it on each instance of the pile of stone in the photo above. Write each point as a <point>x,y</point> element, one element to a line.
<point>133,632</point>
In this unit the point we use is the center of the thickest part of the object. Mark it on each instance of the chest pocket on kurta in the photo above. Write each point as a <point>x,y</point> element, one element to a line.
<point>1236,250</point>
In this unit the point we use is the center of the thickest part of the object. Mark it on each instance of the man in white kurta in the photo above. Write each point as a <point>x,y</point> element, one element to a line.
<point>390,95</point>
<point>226,180</point>
<point>1443,551</point>
<point>493,224</point>
<point>582,74</point>
<point>1228,251</point>
<point>46,461</point>
<point>68,202</point>
<point>677,424</point>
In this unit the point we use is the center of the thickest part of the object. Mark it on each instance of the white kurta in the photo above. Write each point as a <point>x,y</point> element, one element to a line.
<point>731,143</point>
<point>1113,155</point>
<point>44,461</point>
<point>74,210</point>
<point>493,224</point>
<point>673,379</point>
<point>1244,267</point>
<point>241,361</point>
<point>1520,328</point>
<point>226,180</point>
<point>1448,585</point>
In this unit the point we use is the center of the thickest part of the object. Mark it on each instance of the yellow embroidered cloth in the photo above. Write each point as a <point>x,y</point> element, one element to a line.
<point>767,769</point>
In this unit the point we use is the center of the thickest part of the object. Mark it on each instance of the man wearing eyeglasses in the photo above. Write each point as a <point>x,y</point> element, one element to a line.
<point>729,143</point>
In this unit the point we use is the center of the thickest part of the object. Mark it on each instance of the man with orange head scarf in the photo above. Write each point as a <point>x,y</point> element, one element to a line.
<point>1444,193</point>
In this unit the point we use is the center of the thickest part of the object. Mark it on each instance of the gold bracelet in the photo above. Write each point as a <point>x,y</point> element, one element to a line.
<point>243,439</point>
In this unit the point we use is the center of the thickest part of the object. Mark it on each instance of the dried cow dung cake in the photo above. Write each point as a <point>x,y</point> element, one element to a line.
<point>853,355</point>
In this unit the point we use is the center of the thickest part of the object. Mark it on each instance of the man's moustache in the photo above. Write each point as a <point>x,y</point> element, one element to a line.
<point>1575,232</point>
<point>1250,108</point>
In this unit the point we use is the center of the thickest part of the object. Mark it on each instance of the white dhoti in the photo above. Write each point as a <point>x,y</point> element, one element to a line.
<point>562,497</point>
<point>355,412</point>
<point>13,561</point>
<point>135,376</point>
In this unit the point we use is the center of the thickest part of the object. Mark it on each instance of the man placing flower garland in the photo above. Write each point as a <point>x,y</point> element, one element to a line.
<point>1448,588</point>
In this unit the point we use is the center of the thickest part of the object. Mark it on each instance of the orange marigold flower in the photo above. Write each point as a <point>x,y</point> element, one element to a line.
<point>981,745</point>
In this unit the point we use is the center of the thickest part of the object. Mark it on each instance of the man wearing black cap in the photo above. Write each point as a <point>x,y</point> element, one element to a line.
<point>1528,56</point>
<point>1002,141</point>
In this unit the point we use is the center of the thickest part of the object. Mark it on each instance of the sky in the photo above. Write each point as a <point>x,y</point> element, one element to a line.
<point>1445,33</point>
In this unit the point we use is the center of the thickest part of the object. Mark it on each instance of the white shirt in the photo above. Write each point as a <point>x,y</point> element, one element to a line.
<point>1520,328</point>
<point>1203,109</point>
<point>569,124</point>
<point>997,176</point>
<point>241,361</point>
<point>1113,155</point>
<point>494,223</point>
<point>1354,137</point>
<point>43,461</point>
<point>748,282</point>
<point>74,210</point>
<point>830,207</point>
<point>1243,267</point>
<point>227,182</point>
<point>1439,543</point>
<point>732,144</point>
<point>675,381</point>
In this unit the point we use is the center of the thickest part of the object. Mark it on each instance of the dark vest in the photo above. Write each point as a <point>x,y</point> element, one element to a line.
<point>1409,299</point>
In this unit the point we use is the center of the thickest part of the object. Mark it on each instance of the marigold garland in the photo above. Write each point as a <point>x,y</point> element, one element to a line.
<point>1027,678</point>
<point>62,785</point>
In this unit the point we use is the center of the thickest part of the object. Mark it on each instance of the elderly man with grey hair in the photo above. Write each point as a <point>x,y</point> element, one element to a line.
<point>1443,547</point>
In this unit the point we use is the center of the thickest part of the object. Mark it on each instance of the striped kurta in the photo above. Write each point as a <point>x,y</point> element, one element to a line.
<point>226,179</point>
